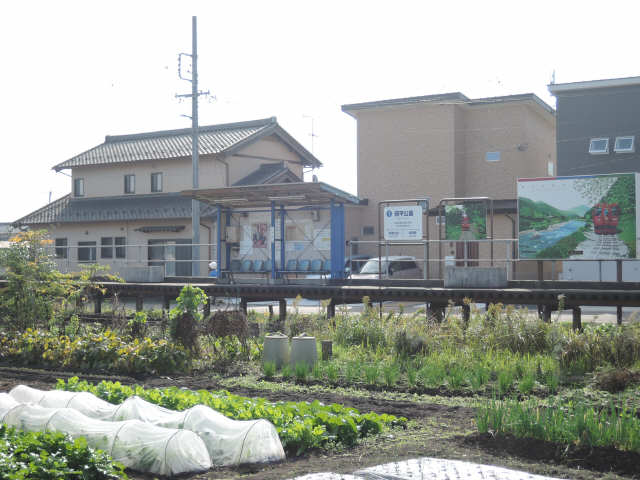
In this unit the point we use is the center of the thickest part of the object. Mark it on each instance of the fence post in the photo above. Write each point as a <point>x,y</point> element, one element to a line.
<point>577,319</point>
<point>619,280</point>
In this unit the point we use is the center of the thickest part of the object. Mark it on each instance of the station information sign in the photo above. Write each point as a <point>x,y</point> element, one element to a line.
<point>403,222</point>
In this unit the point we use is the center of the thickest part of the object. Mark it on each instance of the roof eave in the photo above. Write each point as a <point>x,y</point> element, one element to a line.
<point>555,88</point>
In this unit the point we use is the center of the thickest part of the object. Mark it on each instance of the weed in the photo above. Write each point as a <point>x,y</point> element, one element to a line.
<point>302,371</point>
<point>371,373</point>
<point>269,369</point>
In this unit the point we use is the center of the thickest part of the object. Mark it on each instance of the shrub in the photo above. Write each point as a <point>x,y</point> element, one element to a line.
<point>52,455</point>
<point>138,325</point>
<point>185,317</point>
<point>104,351</point>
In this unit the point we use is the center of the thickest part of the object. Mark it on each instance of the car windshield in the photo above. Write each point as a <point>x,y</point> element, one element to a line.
<point>372,266</point>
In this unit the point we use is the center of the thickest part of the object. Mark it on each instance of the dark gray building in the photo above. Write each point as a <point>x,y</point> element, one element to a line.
<point>598,125</point>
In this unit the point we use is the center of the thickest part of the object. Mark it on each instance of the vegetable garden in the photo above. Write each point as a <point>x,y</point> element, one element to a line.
<point>504,388</point>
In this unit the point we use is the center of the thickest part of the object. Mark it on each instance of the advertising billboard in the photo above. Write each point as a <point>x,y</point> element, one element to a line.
<point>403,223</point>
<point>466,221</point>
<point>591,217</point>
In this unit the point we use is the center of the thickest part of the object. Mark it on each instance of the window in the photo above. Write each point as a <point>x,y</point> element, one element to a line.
<point>156,182</point>
<point>86,251</point>
<point>441,219</point>
<point>492,156</point>
<point>121,250</point>
<point>106,247</point>
<point>599,146</point>
<point>78,187</point>
<point>368,230</point>
<point>129,184</point>
<point>624,145</point>
<point>550,169</point>
<point>61,248</point>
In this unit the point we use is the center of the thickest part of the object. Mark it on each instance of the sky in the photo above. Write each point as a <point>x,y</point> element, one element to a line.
<point>562,193</point>
<point>75,71</point>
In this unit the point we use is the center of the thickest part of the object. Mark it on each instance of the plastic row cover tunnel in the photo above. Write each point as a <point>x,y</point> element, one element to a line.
<point>229,442</point>
<point>135,444</point>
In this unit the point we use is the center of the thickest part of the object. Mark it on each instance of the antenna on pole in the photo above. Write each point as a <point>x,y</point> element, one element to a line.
<point>190,74</point>
<point>312,134</point>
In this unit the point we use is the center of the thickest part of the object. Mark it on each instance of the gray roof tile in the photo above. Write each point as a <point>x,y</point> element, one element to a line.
<point>266,173</point>
<point>149,207</point>
<point>168,144</point>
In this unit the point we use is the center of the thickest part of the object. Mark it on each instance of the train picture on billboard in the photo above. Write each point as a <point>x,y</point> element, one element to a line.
<point>591,217</point>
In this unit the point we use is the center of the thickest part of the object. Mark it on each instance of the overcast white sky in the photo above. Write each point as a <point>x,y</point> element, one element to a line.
<point>73,72</point>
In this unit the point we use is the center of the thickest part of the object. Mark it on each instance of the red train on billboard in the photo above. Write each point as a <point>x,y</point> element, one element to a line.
<point>605,218</point>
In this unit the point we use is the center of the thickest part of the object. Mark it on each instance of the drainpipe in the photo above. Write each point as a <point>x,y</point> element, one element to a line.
<point>208,243</point>
<point>226,171</point>
<point>513,246</point>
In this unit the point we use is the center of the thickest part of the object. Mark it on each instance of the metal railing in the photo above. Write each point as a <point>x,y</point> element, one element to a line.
<point>70,258</point>
<point>499,252</point>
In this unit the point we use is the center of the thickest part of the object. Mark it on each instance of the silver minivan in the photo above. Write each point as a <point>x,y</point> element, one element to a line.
<point>393,267</point>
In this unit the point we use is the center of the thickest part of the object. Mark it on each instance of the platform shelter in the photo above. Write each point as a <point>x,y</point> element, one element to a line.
<point>279,229</point>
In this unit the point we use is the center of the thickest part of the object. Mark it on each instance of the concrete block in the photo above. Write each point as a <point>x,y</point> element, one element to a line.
<point>475,277</point>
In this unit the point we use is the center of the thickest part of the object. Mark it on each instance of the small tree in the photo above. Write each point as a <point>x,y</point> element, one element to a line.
<point>186,316</point>
<point>36,292</point>
<point>34,287</point>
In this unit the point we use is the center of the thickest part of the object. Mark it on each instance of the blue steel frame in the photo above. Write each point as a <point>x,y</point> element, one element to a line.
<point>337,239</point>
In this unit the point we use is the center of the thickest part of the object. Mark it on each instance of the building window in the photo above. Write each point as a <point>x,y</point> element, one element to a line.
<point>624,145</point>
<point>492,156</point>
<point>156,182</point>
<point>367,230</point>
<point>129,184</point>
<point>121,251</point>
<point>78,187</point>
<point>599,146</point>
<point>550,170</point>
<point>106,247</point>
<point>61,248</point>
<point>441,220</point>
<point>86,251</point>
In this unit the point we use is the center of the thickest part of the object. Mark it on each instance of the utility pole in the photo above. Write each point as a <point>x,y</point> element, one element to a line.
<point>195,204</point>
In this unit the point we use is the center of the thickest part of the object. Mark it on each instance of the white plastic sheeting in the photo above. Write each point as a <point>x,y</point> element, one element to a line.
<point>229,442</point>
<point>429,469</point>
<point>135,444</point>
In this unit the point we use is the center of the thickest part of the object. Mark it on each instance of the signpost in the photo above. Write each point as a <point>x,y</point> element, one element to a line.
<point>403,222</point>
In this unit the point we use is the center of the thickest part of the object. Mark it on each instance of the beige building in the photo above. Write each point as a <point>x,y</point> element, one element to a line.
<point>446,146</point>
<point>125,209</point>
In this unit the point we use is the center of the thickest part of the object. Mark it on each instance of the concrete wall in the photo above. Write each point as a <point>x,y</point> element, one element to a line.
<point>439,151</point>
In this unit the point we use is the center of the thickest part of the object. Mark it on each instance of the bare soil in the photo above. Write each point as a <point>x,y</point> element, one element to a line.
<point>434,430</point>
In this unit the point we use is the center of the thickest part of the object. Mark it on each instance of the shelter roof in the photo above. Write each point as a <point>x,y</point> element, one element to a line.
<point>290,194</point>
<point>224,139</point>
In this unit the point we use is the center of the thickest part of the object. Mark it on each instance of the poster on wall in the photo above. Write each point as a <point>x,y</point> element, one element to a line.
<point>322,239</point>
<point>466,221</point>
<point>259,232</point>
<point>587,217</point>
<point>403,223</point>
